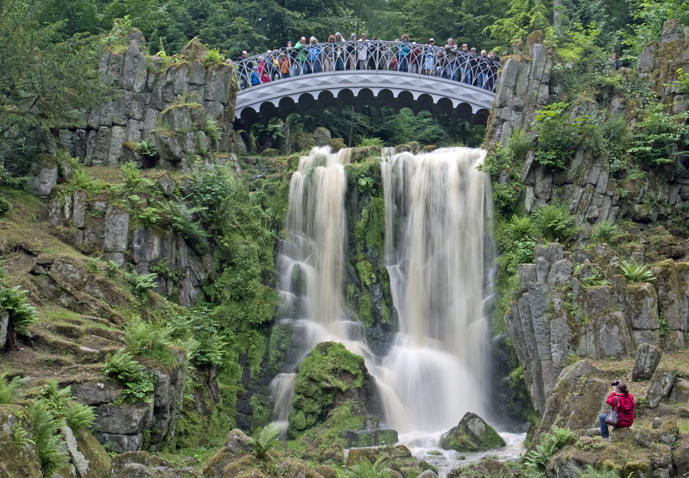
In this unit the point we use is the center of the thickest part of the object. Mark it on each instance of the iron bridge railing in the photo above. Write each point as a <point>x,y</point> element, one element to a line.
<point>371,55</point>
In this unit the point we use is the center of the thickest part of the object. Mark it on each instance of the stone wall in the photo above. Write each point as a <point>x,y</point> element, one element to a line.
<point>145,91</point>
<point>99,226</point>
<point>528,82</point>
<point>579,305</point>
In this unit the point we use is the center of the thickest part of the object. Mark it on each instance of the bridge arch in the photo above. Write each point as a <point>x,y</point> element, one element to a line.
<point>455,89</point>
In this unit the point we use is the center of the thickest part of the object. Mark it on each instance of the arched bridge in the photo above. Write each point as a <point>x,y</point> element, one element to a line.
<point>375,73</point>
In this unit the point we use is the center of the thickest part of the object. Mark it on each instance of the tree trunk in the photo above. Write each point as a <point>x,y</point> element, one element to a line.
<point>556,4</point>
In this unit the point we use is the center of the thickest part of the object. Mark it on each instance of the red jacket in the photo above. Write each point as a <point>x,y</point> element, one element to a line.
<point>625,407</point>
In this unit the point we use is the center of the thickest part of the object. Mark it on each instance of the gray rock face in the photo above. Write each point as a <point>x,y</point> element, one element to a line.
<point>167,184</point>
<point>238,443</point>
<point>116,229</point>
<point>44,173</point>
<point>135,470</point>
<point>4,324</point>
<point>121,443</point>
<point>680,391</point>
<point>96,393</point>
<point>647,360</point>
<point>79,209</point>
<point>123,419</point>
<point>661,385</point>
<point>642,306</point>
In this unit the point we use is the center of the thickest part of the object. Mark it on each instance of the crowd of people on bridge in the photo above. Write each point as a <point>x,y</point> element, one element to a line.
<point>452,62</point>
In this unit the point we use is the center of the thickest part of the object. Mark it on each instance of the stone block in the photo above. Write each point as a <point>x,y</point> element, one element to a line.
<point>642,306</point>
<point>44,174</point>
<point>123,418</point>
<point>116,229</point>
<point>218,80</point>
<point>661,385</point>
<point>121,443</point>
<point>647,360</point>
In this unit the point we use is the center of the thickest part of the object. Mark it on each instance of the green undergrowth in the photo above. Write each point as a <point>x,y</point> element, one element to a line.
<point>327,433</point>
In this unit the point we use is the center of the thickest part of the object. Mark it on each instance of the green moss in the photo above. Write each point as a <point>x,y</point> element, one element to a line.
<point>370,229</point>
<point>363,267</point>
<point>344,417</point>
<point>278,349</point>
<point>365,310</point>
<point>328,368</point>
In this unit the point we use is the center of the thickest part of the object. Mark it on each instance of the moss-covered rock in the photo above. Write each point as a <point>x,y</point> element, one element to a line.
<point>329,376</point>
<point>16,459</point>
<point>471,435</point>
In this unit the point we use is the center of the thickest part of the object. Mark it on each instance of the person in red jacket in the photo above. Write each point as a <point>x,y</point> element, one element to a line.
<point>622,401</point>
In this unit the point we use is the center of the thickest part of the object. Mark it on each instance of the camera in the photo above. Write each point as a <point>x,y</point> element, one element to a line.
<point>615,383</point>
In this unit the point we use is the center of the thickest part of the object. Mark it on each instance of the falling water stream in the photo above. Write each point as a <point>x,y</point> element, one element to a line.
<point>437,210</point>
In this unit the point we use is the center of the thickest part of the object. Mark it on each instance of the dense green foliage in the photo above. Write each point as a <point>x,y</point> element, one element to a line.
<point>122,368</point>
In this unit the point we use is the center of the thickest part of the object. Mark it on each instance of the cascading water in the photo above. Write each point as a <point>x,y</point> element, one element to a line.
<point>436,212</point>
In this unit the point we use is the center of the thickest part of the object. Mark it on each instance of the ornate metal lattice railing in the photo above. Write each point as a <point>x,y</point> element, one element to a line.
<point>374,55</point>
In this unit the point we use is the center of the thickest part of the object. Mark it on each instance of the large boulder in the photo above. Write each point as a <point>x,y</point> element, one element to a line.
<point>43,177</point>
<point>296,469</point>
<point>647,360</point>
<point>237,450</point>
<point>661,385</point>
<point>328,377</point>
<point>87,455</point>
<point>471,434</point>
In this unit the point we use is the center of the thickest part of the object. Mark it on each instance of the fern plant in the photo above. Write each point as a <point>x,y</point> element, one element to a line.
<point>79,417</point>
<point>45,434</point>
<point>366,469</point>
<point>148,148</point>
<point>555,222</point>
<point>144,338</point>
<point>591,472</point>
<point>634,272</point>
<point>265,439</point>
<point>537,459</point>
<point>519,144</point>
<point>142,282</point>
<point>19,435</point>
<point>22,313</point>
<point>10,391</point>
<point>605,231</point>
<point>55,398</point>
<point>521,228</point>
<point>133,180</point>
<point>366,141</point>
<point>212,130</point>
<point>123,368</point>
<point>214,57</point>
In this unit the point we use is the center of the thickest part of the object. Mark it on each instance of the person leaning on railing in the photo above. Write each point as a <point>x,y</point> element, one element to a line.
<point>244,68</point>
<point>340,52</point>
<point>350,59</point>
<point>450,60</point>
<point>403,49</point>
<point>300,47</point>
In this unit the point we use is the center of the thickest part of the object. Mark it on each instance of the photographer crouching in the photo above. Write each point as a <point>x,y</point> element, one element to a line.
<point>622,413</point>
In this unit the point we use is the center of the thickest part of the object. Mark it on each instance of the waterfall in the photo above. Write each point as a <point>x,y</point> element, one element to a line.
<point>436,207</point>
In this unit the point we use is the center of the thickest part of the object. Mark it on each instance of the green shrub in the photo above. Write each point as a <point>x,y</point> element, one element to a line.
<point>605,231</point>
<point>634,272</point>
<point>79,417</point>
<point>519,144</point>
<point>656,133</point>
<point>4,206</point>
<point>265,439</point>
<point>124,369</point>
<point>180,220</point>
<point>555,222</point>
<point>10,391</point>
<point>207,346</point>
<point>365,141</point>
<point>214,57</point>
<point>22,313</point>
<point>558,136</point>
<point>81,180</point>
<point>46,437</point>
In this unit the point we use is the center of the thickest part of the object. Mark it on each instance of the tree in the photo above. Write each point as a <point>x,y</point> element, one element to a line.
<point>649,17</point>
<point>523,17</point>
<point>44,80</point>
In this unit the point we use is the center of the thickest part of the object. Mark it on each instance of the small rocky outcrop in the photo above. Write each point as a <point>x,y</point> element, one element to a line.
<point>327,378</point>
<point>16,460</point>
<point>472,434</point>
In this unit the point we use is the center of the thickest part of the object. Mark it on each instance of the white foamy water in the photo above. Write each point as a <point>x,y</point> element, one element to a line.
<point>426,446</point>
<point>437,211</point>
